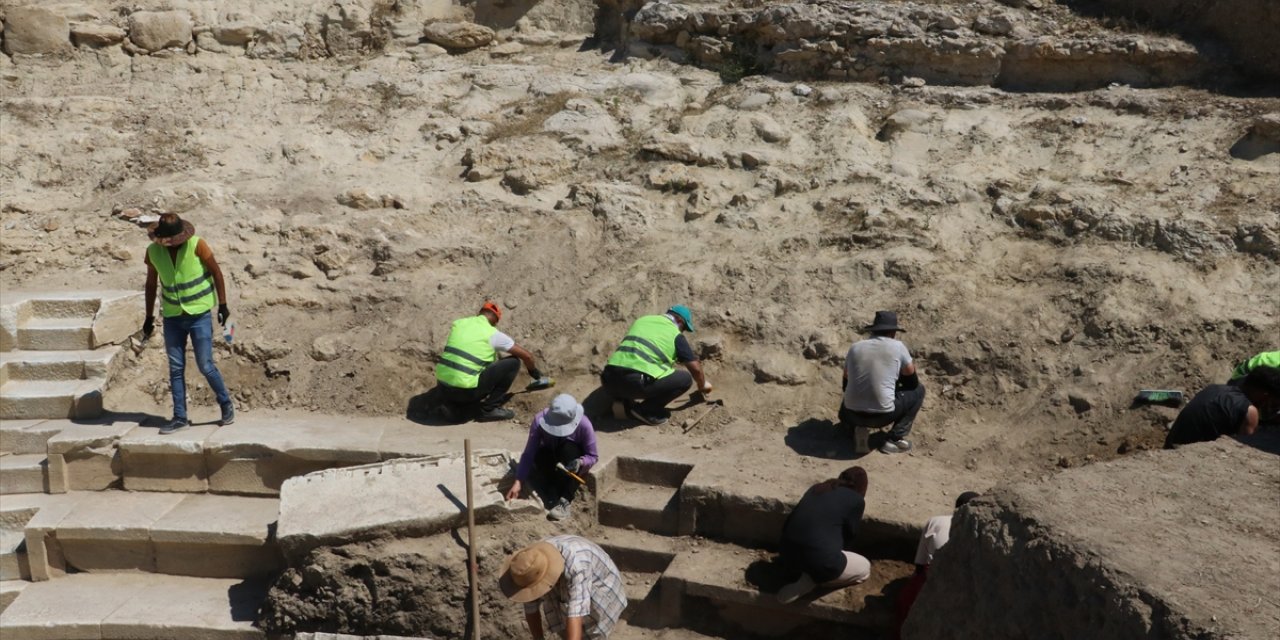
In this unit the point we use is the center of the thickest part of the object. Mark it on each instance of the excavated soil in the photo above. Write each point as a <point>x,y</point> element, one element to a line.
<point>1051,252</point>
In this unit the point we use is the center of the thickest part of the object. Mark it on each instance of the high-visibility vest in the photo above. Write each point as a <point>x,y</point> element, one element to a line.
<point>185,287</point>
<point>1264,359</point>
<point>650,347</point>
<point>466,353</point>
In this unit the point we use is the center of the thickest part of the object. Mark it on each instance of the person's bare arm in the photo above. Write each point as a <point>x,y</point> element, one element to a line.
<point>573,629</point>
<point>527,358</point>
<point>908,370</point>
<point>206,256</point>
<point>149,291</point>
<point>535,624</point>
<point>699,378</point>
<point>1250,424</point>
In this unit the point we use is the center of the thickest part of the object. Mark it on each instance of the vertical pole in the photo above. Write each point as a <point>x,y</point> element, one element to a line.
<point>472,567</point>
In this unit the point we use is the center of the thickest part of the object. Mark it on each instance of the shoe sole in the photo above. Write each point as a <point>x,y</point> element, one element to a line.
<point>165,432</point>
<point>223,423</point>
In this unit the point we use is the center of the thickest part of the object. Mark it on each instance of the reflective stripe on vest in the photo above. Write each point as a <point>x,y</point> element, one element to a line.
<point>649,347</point>
<point>466,353</point>
<point>185,287</point>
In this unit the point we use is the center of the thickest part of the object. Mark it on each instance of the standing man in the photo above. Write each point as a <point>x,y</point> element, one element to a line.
<point>643,365</point>
<point>568,585</point>
<point>1227,409</point>
<point>183,265</point>
<point>473,380</point>
<point>881,387</point>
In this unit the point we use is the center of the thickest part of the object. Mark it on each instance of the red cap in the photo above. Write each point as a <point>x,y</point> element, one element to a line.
<point>492,307</point>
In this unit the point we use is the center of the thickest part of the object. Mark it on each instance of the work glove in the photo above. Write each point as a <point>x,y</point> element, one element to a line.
<point>535,373</point>
<point>148,327</point>
<point>223,314</point>
<point>574,465</point>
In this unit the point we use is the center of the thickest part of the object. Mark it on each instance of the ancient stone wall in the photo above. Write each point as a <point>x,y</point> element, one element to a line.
<point>1168,544</point>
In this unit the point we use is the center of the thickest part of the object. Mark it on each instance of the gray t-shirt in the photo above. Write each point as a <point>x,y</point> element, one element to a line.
<point>873,366</point>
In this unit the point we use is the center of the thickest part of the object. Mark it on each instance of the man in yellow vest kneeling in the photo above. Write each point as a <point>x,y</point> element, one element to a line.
<point>473,380</point>
<point>643,366</point>
<point>182,266</point>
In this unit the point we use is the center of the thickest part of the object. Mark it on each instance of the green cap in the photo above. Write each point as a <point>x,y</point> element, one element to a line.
<point>685,314</point>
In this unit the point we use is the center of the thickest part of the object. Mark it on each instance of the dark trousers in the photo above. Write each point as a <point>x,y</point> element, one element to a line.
<point>906,404</point>
<point>491,393</point>
<point>657,393</point>
<point>550,482</point>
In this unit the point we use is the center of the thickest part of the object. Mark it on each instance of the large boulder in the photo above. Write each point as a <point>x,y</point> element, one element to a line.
<point>156,30</point>
<point>459,35</point>
<point>33,30</point>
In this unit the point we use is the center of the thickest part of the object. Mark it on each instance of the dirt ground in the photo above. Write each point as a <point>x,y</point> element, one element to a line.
<point>1050,253</point>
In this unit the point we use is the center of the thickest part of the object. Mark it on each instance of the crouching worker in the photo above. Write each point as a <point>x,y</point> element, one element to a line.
<point>569,586</point>
<point>560,450</point>
<point>818,533</point>
<point>1227,409</point>
<point>473,380</point>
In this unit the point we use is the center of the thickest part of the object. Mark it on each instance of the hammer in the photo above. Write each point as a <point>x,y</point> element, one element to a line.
<point>712,406</point>
<point>560,466</point>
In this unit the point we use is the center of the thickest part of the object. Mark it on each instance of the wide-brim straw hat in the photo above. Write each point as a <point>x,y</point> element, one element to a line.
<point>170,230</point>
<point>531,572</point>
<point>562,418</point>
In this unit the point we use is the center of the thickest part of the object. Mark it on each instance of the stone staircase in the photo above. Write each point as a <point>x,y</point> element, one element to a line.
<point>692,557</point>
<point>56,350</point>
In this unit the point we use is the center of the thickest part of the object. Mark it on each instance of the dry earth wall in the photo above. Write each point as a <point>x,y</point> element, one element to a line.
<point>1167,544</point>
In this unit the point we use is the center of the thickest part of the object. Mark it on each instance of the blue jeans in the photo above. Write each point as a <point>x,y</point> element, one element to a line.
<point>200,330</point>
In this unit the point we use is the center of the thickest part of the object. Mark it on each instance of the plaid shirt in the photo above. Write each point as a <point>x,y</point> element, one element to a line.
<point>591,588</point>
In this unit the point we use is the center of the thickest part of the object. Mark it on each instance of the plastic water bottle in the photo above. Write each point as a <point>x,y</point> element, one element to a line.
<point>229,331</point>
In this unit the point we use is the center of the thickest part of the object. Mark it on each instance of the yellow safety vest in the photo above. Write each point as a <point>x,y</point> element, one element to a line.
<point>466,353</point>
<point>650,347</point>
<point>185,287</point>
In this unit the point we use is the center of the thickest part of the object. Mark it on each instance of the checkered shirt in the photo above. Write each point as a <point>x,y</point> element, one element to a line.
<point>591,588</point>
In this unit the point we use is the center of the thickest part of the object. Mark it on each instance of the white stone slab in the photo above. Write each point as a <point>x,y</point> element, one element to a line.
<point>414,496</point>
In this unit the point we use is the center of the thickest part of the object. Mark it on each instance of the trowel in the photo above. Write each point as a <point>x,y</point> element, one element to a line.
<point>545,382</point>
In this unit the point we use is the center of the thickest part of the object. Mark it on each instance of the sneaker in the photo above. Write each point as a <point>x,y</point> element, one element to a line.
<point>895,446</point>
<point>495,414</point>
<point>176,424</point>
<point>228,415</point>
<point>651,420</point>
<point>560,511</point>
<point>794,591</point>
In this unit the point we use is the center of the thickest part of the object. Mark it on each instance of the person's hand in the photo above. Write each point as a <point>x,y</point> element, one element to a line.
<point>223,314</point>
<point>535,373</point>
<point>514,491</point>
<point>148,327</point>
<point>706,387</point>
<point>574,465</point>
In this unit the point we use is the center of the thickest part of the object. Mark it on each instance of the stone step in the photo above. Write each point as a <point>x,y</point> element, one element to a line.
<point>652,471</point>
<point>30,399</point>
<point>9,591</point>
<point>57,365</point>
<point>24,473</point>
<point>134,606</point>
<point>26,436</point>
<point>64,307</point>
<point>14,564</point>
<point>643,506</point>
<point>742,583</point>
<point>85,456</point>
<point>642,557</point>
<point>197,535</point>
<point>56,334</point>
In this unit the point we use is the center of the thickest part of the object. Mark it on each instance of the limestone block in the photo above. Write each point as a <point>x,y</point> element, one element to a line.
<point>26,436</point>
<point>217,537</point>
<point>11,315</point>
<point>68,609</point>
<point>23,474</point>
<point>44,553</point>
<point>174,462</point>
<point>236,33</point>
<point>9,591</point>
<point>57,473</point>
<point>92,34</point>
<point>188,608</point>
<point>459,35</point>
<point>34,30</point>
<point>156,30</point>
<point>415,496</point>
<point>89,454</point>
<point>118,317</point>
<point>255,457</point>
<point>112,531</point>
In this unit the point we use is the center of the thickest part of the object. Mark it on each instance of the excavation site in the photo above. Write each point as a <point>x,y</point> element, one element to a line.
<point>639,319</point>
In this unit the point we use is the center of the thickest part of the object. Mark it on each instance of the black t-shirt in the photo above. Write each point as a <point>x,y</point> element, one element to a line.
<point>684,352</point>
<point>1218,410</point>
<point>819,529</point>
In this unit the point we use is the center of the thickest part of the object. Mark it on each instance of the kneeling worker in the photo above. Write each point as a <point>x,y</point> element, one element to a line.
<point>643,365</point>
<point>473,380</point>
